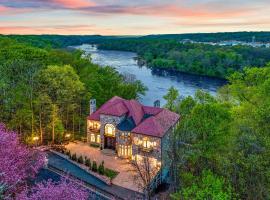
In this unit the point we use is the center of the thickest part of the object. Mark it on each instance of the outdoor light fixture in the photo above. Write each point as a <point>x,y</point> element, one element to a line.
<point>67,135</point>
<point>35,138</point>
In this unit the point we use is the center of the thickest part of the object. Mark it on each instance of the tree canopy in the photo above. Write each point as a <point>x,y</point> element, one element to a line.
<point>222,143</point>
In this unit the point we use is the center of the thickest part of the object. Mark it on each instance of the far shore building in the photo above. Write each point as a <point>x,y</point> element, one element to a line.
<point>132,130</point>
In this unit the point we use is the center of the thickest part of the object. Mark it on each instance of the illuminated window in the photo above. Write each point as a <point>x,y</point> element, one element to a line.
<point>98,138</point>
<point>124,150</point>
<point>94,125</point>
<point>110,130</point>
<point>146,143</point>
<point>93,138</point>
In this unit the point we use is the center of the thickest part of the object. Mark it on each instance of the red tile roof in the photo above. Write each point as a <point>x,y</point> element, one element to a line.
<point>157,125</point>
<point>150,121</point>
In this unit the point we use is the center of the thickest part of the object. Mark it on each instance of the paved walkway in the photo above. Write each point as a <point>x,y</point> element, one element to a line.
<point>125,178</point>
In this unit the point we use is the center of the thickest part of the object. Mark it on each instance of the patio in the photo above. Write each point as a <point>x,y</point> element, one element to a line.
<point>125,178</point>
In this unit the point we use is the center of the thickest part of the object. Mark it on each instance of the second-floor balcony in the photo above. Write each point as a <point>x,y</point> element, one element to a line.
<point>94,129</point>
<point>94,126</point>
<point>146,149</point>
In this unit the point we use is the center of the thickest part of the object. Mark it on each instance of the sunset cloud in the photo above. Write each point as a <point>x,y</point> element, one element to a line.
<point>172,11</point>
<point>124,17</point>
<point>57,29</point>
<point>3,9</point>
<point>74,3</point>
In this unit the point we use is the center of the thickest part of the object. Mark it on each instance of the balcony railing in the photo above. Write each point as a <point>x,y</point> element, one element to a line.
<point>93,129</point>
<point>146,149</point>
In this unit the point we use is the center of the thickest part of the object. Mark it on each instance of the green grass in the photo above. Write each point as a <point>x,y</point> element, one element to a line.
<point>110,173</point>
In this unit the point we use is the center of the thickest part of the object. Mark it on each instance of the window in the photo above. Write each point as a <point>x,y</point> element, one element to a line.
<point>110,130</point>
<point>125,150</point>
<point>93,137</point>
<point>94,125</point>
<point>146,143</point>
<point>98,138</point>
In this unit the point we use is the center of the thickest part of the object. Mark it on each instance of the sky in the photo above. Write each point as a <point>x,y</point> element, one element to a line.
<point>132,17</point>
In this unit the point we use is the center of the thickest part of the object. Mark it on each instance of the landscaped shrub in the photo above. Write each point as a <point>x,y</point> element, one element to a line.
<point>68,153</point>
<point>101,168</point>
<point>88,163</point>
<point>74,157</point>
<point>80,160</point>
<point>94,166</point>
<point>110,173</point>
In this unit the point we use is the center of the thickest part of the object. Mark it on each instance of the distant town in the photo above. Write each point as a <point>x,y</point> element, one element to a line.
<point>253,43</point>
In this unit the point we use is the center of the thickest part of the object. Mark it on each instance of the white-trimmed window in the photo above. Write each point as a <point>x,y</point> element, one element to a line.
<point>110,130</point>
<point>98,138</point>
<point>93,138</point>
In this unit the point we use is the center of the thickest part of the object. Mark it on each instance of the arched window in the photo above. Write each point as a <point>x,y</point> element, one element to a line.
<point>109,130</point>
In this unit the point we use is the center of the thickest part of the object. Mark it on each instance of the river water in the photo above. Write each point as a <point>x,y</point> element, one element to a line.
<point>157,81</point>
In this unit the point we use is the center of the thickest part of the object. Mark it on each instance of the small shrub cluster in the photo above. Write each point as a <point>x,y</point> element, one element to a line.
<point>68,153</point>
<point>74,157</point>
<point>88,163</point>
<point>92,166</point>
<point>80,160</point>
<point>101,168</point>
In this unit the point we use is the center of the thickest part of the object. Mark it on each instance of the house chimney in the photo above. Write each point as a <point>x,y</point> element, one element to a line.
<point>157,104</point>
<point>92,106</point>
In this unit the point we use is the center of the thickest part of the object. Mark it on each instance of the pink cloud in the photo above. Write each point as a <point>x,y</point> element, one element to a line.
<point>3,9</point>
<point>179,11</point>
<point>74,3</point>
<point>56,29</point>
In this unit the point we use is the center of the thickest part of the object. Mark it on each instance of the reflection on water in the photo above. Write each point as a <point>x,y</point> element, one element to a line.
<point>157,81</point>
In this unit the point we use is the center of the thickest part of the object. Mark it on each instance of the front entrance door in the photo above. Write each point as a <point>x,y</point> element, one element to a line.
<point>110,143</point>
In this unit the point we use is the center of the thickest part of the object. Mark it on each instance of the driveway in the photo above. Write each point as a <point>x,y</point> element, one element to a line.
<point>125,178</point>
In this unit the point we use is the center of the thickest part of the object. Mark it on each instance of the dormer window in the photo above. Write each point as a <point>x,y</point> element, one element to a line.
<point>110,130</point>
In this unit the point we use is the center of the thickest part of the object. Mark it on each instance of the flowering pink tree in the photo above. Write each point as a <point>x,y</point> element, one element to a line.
<point>54,191</point>
<point>17,162</point>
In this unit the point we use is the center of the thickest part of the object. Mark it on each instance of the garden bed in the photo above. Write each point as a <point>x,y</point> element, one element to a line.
<point>99,171</point>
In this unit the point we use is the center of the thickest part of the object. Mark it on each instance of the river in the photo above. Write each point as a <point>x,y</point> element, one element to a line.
<point>157,81</point>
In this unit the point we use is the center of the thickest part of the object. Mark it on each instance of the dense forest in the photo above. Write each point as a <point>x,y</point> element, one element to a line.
<point>216,37</point>
<point>221,149</point>
<point>61,41</point>
<point>46,92</point>
<point>199,59</point>
<point>166,52</point>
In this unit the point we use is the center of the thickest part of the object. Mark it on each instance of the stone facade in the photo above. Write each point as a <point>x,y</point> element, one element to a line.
<point>105,119</point>
<point>125,139</point>
<point>156,148</point>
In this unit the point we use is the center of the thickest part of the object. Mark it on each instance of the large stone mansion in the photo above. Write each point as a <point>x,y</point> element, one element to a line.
<point>130,128</point>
